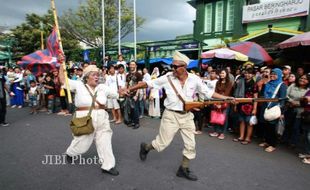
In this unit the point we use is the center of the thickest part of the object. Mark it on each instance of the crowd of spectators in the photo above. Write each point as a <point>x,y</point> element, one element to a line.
<point>44,93</point>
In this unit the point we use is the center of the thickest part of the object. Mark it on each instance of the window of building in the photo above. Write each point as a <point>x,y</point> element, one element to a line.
<point>208,18</point>
<point>219,16</point>
<point>230,15</point>
<point>251,2</point>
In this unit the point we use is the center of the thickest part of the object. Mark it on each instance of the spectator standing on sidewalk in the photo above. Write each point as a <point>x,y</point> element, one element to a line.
<point>3,88</point>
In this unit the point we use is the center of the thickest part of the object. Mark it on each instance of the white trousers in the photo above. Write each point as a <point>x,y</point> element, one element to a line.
<point>171,123</point>
<point>102,137</point>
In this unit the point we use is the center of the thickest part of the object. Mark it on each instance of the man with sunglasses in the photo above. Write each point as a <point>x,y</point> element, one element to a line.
<point>175,118</point>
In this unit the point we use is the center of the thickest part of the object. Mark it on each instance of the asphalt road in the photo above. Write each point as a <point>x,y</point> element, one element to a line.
<point>219,164</point>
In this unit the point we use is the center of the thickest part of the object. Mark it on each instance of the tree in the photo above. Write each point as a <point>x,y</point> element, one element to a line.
<point>85,24</point>
<point>28,35</point>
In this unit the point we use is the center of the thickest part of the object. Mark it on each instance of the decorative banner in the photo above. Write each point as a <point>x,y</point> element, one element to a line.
<point>275,10</point>
<point>86,55</point>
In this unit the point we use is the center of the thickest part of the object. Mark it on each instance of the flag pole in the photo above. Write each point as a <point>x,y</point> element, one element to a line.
<point>41,31</point>
<point>63,64</point>
<point>119,27</point>
<point>103,32</point>
<point>135,29</point>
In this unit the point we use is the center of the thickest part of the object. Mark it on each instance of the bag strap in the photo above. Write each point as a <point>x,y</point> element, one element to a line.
<point>175,90</point>
<point>275,92</point>
<point>93,100</point>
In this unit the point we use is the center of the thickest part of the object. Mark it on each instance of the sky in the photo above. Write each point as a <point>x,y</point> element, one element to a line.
<point>165,19</point>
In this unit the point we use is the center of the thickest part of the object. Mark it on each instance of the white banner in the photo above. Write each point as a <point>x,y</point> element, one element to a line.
<point>274,10</point>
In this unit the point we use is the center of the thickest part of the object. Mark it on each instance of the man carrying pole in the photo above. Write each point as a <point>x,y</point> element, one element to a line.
<point>180,86</point>
<point>61,57</point>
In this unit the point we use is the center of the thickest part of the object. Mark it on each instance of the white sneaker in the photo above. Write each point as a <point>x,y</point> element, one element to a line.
<point>14,106</point>
<point>19,107</point>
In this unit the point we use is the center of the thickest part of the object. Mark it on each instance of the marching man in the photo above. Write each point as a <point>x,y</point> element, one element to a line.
<point>180,86</point>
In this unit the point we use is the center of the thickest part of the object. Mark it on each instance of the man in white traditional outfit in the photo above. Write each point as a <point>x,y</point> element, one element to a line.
<point>175,118</point>
<point>102,134</point>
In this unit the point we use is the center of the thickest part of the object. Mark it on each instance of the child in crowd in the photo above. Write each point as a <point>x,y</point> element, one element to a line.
<point>50,93</point>
<point>41,89</point>
<point>33,94</point>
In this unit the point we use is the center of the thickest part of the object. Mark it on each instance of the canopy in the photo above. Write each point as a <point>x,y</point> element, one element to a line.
<point>168,61</point>
<point>256,53</point>
<point>298,40</point>
<point>224,53</point>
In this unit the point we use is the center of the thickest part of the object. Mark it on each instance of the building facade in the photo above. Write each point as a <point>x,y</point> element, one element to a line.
<point>266,22</point>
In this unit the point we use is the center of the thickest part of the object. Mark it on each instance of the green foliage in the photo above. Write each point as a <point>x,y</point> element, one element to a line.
<point>28,35</point>
<point>85,24</point>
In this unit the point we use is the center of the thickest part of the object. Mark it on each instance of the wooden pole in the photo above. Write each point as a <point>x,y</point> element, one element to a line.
<point>63,64</point>
<point>42,38</point>
<point>42,41</point>
<point>103,32</point>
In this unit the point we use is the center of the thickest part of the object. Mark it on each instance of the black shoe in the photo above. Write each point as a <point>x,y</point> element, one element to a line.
<point>69,159</point>
<point>112,171</point>
<point>143,151</point>
<point>184,172</point>
<point>131,125</point>
<point>136,126</point>
<point>4,124</point>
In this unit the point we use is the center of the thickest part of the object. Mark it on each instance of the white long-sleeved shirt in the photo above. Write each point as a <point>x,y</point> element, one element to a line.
<point>193,85</point>
<point>82,97</point>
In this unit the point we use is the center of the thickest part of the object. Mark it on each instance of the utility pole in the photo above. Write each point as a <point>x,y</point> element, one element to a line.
<point>119,26</point>
<point>135,29</point>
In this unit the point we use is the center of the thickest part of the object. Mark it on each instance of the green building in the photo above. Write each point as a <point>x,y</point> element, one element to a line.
<point>266,22</point>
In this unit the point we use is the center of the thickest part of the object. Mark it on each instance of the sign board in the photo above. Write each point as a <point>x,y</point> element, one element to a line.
<point>189,46</point>
<point>275,9</point>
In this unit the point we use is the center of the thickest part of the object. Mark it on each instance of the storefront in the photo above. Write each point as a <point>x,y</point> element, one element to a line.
<point>266,22</point>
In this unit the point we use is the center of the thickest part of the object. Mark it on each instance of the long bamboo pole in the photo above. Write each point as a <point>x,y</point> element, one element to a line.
<point>42,38</point>
<point>103,31</point>
<point>63,64</point>
<point>42,41</point>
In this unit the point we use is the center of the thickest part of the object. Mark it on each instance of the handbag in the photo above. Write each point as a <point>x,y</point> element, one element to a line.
<point>83,125</point>
<point>253,120</point>
<point>217,117</point>
<point>62,93</point>
<point>274,112</point>
<point>280,127</point>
